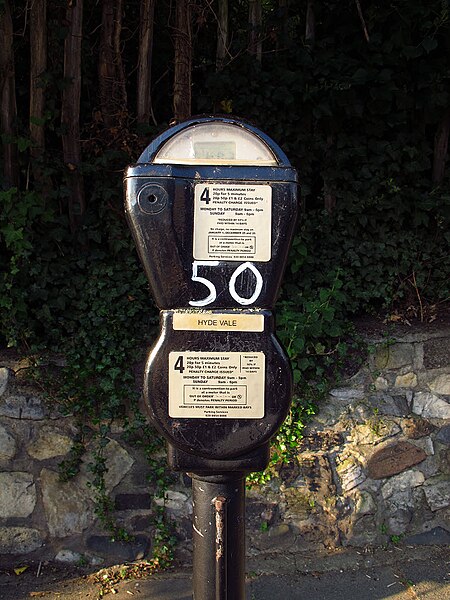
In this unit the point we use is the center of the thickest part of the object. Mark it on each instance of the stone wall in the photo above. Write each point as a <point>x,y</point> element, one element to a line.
<point>374,467</point>
<point>43,517</point>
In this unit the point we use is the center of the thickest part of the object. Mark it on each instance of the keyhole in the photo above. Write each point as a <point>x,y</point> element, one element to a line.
<point>152,199</point>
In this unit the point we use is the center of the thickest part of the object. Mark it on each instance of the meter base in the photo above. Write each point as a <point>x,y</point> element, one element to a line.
<point>256,460</point>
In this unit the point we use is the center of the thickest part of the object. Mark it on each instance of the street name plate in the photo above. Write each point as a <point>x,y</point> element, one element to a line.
<point>218,322</point>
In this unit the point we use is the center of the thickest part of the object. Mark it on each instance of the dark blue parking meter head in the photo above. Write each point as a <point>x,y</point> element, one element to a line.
<point>212,205</point>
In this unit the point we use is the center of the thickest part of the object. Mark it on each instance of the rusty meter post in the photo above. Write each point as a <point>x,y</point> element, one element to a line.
<point>212,205</point>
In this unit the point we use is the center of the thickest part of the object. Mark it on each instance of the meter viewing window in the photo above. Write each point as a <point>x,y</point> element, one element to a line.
<point>215,150</point>
<point>215,144</point>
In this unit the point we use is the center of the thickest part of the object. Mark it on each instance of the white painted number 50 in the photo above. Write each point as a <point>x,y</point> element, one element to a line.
<point>231,286</point>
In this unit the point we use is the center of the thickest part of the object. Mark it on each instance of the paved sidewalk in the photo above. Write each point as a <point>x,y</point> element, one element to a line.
<point>395,574</point>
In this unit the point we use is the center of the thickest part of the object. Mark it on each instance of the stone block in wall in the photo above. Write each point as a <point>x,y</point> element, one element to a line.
<point>417,428</point>
<point>361,531</point>
<point>404,482</point>
<point>399,503</point>
<point>407,380</point>
<point>427,445</point>
<point>141,523</point>
<point>398,518</point>
<point>136,501</point>
<point>313,475</point>
<point>347,393</point>
<point>394,459</point>
<point>444,460</point>
<point>436,353</point>
<point>443,436</point>
<point>8,445</point>
<point>297,504</point>
<point>381,384</point>
<point>430,406</point>
<point>364,503</point>
<point>177,502</point>
<point>118,463</point>
<point>50,442</point>
<point>19,406</point>
<point>258,513</point>
<point>4,379</point>
<point>317,441</point>
<point>19,540</point>
<point>69,556</point>
<point>17,494</point>
<point>350,471</point>
<point>374,431</point>
<point>68,506</point>
<point>436,536</point>
<point>437,492</point>
<point>393,356</point>
<point>391,405</point>
<point>440,384</point>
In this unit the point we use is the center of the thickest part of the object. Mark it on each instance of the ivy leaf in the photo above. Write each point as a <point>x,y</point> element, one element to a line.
<point>11,234</point>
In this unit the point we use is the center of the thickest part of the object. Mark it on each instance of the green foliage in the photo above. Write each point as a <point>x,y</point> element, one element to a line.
<point>359,123</point>
<point>311,325</point>
<point>390,254</point>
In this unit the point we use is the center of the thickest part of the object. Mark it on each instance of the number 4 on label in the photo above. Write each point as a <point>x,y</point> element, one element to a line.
<point>179,365</point>
<point>205,196</point>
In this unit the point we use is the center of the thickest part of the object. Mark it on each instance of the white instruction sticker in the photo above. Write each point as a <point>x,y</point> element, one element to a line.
<point>216,385</point>
<point>232,222</point>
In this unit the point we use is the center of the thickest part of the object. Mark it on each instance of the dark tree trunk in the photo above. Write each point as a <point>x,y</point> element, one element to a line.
<point>38,66</point>
<point>182,100</point>
<point>255,24</point>
<point>363,22</point>
<point>222,34</point>
<point>144,78</point>
<point>113,98</point>
<point>283,37</point>
<point>8,98</point>
<point>441,149</point>
<point>329,196</point>
<point>310,29</point>
<point>70,111</point>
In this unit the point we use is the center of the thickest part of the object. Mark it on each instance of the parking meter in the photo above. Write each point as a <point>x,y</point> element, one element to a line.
<point>212,207</point>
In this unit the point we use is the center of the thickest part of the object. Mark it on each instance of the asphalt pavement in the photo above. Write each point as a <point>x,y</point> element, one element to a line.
<point>394,573</point>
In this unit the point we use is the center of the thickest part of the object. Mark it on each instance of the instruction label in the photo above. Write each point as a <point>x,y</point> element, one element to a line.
<point>216,385</point>
<point>217,322</point>
<point>232,222</point>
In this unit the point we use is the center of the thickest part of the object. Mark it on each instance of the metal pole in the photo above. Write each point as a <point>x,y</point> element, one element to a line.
<point>219,536</point>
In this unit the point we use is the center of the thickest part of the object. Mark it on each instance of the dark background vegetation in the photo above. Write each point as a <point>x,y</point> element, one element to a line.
<point>356,92</point>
